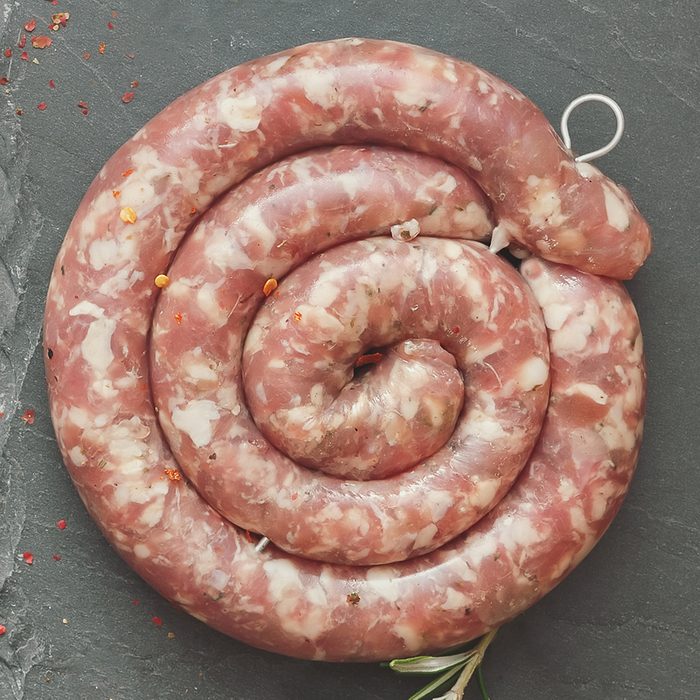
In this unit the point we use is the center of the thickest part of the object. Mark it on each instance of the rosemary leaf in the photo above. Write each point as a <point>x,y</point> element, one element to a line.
<point>482,684</point>
<point>426,690</point>
<point>429,664</point>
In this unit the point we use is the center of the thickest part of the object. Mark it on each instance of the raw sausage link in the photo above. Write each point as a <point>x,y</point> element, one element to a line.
<point>130,223</point>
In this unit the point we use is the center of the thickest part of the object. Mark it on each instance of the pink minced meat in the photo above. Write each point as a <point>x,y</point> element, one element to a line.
<point>103,366</point>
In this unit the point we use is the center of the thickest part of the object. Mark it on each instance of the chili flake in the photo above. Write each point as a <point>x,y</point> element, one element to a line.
<point>56,557</point>
<point>4,80</point>
<point>22,41</point>
<point>134,83</point>
<point>193,211</point>
<point>173,474</point>
<point>41,106</point>
<point>127,172</point>
<point>8,53</point>
<point>101,47</point>
<point>178,318</point>
<point>110,25</point>
<point>86,55</point>
<point>61,524</point>
<point>28,416</point>
<point>127,97</point>
<point>128,215</point>
<point>30,25</point>
<point>52,84</point>
<point>82,104</point>
<point>3,629</point>
<point>59,20</point>
<point>19,112</point>
<point>116,194</point>
<point>41,42</point>
<point>24,56</point>
<point>297,316</point>
<point>369,359</point>
<point>157,621</point>
<point>28,558</point>
<point>269,286</point>
<point>161,281</point>
<point>353,598</point>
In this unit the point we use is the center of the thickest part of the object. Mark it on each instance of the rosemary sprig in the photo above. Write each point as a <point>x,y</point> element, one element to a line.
<point>465,663</point>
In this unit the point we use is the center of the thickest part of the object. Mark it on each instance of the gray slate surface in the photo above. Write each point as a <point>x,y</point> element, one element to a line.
<point>624,625</point>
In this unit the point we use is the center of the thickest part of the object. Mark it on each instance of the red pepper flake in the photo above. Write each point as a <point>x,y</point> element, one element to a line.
<point>134,83</point>
<point>41,42</point>
<point>116,194</point>
<point>115,14</point>
<point>157,621</point>
<point>178,318</point>
<point>86,55</point>
<point>56,557</point>
<point>353,598</point>
<point>22,41</point>
<point>193,211</point>
<point>127,97</point>
<point>41,106</point>
<point>456,329</point>
<point>54,2</point>
<point>8,53</point>
<point>82,104</point>
<point>84,111</point>
<point>52,84</point>
<point>28,416</point>
<point>127,172</point>
<point>110,25</point>
<point>59,20</point>
<point>269,286</point>
<point>3,629</point>
<point>30,25</point>
<point>61,524</point>
<point>24,56</point>
<point>297,316</point>
<point>173,474</point>
<point>370,359</point>
<point>4,80</point>
<point>101,47</point>
<point>28,558</point>
<point>19,112</point>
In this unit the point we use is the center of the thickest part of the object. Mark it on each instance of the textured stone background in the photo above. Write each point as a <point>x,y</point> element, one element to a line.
<point>624,625</point>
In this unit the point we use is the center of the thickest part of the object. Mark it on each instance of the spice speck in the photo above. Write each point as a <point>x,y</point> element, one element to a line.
<point>157,621</point>
<point>41,41</point>
<point>28,558</point>
<point>28,416</point>
<point>3,629</point>
<point>61,524</point>
<point>269,286</point>
<point>30,25</point>
<point>128,215</point>
<point>127,97</point>
<point>41,106</point>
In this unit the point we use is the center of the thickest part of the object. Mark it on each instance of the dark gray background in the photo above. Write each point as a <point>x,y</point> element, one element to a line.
<point>624,625</point>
